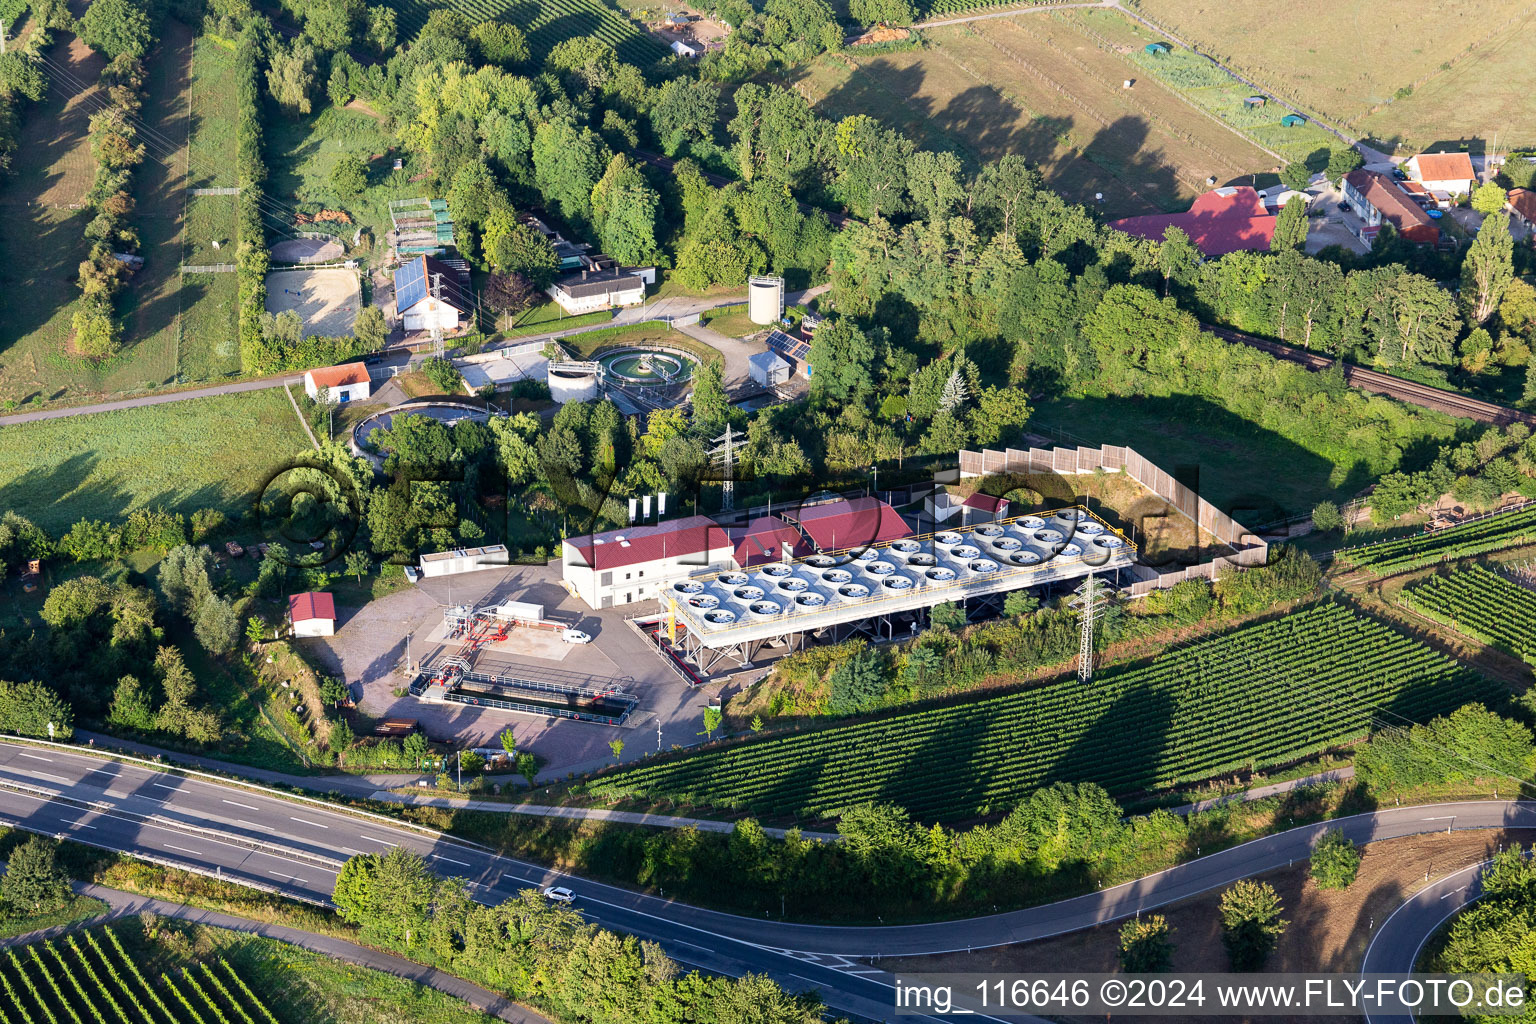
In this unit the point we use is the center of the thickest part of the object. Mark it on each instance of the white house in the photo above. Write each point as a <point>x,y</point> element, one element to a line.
<point>429,295</point>
<point>348,382</point>
<point>312,614</point>
<point>1442,172</point>
<point>640,562</point>
<point>601,284</point>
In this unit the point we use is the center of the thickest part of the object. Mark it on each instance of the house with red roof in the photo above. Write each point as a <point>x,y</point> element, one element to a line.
<point>1522,206</point>
<point>346,383</point>
<point>638,563</point>
<point>849,523</point>
<point>312,614</point>
<point>1222,220</point>
<point>1376,199</point>
<point>1442,172</point>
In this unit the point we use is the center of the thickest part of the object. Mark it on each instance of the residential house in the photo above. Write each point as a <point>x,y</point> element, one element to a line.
<point>1376,200</point>
<point>1442,172</point>
<point>1222,220</point>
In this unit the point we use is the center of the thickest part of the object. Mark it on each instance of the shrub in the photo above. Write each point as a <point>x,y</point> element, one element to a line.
<point>1335,860</point>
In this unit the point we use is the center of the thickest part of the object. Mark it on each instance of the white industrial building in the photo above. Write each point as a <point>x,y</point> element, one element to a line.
<point>637,563</point>
<point>447,563</point>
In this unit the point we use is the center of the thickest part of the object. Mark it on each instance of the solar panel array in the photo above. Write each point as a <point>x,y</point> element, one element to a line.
<point>789,346</point>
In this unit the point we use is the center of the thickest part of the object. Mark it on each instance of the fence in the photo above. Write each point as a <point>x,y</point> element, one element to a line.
<point>1249,548</point>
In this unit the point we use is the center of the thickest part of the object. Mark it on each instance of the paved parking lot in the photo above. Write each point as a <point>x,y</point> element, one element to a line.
<point>369,651</point>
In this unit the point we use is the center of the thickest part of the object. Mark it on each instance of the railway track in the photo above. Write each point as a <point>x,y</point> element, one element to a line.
<point>1379,383</point>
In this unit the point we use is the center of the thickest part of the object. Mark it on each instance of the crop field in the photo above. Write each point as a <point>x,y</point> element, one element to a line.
<point>1258,696</point>
<point>90,978</point>
<point>1477,601</point>
<point>1507,530</point>
<point>546,22</point>
<point>1040,86</point>
<point>202,452</point>
<point>1348,61</point>
<point>1203,85</point>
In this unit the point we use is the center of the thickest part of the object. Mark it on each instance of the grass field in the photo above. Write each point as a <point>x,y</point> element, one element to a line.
<point>546,22</point>
<point>1347,61</point>
<point>1203,85</point>
<point>302,152</point>
<point>1042,87</point>
<point>183,455</point>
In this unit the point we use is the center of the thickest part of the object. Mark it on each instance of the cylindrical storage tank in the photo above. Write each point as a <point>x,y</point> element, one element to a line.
<point>765,300</point>
<point>567,386</point>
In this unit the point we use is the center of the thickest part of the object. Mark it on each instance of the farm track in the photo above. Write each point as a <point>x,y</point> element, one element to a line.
<point>1412,392</point>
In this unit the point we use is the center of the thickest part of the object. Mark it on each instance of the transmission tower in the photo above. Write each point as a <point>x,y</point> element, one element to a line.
<point>724,455</point>
<point>1091,596</point>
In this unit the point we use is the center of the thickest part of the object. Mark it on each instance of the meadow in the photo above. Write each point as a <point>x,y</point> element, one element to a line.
<point>185,455</point>
<point>1044,87</point>
<point>1349,61</point>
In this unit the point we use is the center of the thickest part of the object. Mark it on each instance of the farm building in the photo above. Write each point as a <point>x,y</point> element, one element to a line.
<point>1522,206</point>
<point>768,369</point>
<point>1292,121</point>
<point>449,563</point>
<point>430,295</point>
<point>1220,221</point>
<point>1442,172</point>
<point>1377,200</point>
<point>637,562</point>
<point>312,614</point>
<point>601,284</point>
<point>346,383</point>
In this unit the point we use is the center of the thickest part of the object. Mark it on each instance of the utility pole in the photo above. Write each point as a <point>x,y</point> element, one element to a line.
<point>1091,596</point>
<point>724,455</point>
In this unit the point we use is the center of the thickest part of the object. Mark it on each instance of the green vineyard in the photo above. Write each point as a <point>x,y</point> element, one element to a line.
<point>1261,695</point>
<point>546,23</point>
<point>1480,603</point>
<point>1506,530</point>
<point>89,978</point>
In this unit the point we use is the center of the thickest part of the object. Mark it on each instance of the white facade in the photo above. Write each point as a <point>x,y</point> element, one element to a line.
<point>315,627</point>
<point>430,314</point>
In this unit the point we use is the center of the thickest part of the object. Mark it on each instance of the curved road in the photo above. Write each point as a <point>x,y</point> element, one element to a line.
<point>296,846</point>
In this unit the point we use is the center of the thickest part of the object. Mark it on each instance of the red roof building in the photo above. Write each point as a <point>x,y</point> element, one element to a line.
<point>856,523</point>
<point>639,562</point>
<point>1376,200</point>
<point>312,614</point>
<point>764,540</point>
<point>1522,203</point>
<point>1220,221</point>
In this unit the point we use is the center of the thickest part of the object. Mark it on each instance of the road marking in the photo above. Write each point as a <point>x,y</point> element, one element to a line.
<point>381,842</point>
<point>45,775</point>
<point>301,821</point>
<point>236,803</point>
<point>291,878</point>
<point>35,757</point>
<point>183,849</point>
<point>450,860</point>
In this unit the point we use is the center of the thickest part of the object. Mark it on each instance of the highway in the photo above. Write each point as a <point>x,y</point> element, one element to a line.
<point>296,845</point>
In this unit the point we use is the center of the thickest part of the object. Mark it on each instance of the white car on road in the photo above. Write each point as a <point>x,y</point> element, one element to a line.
<point>560,894</point>
<point>575,636</point>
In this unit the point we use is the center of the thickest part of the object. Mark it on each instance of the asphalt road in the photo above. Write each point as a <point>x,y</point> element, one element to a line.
<point>297,847</point>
